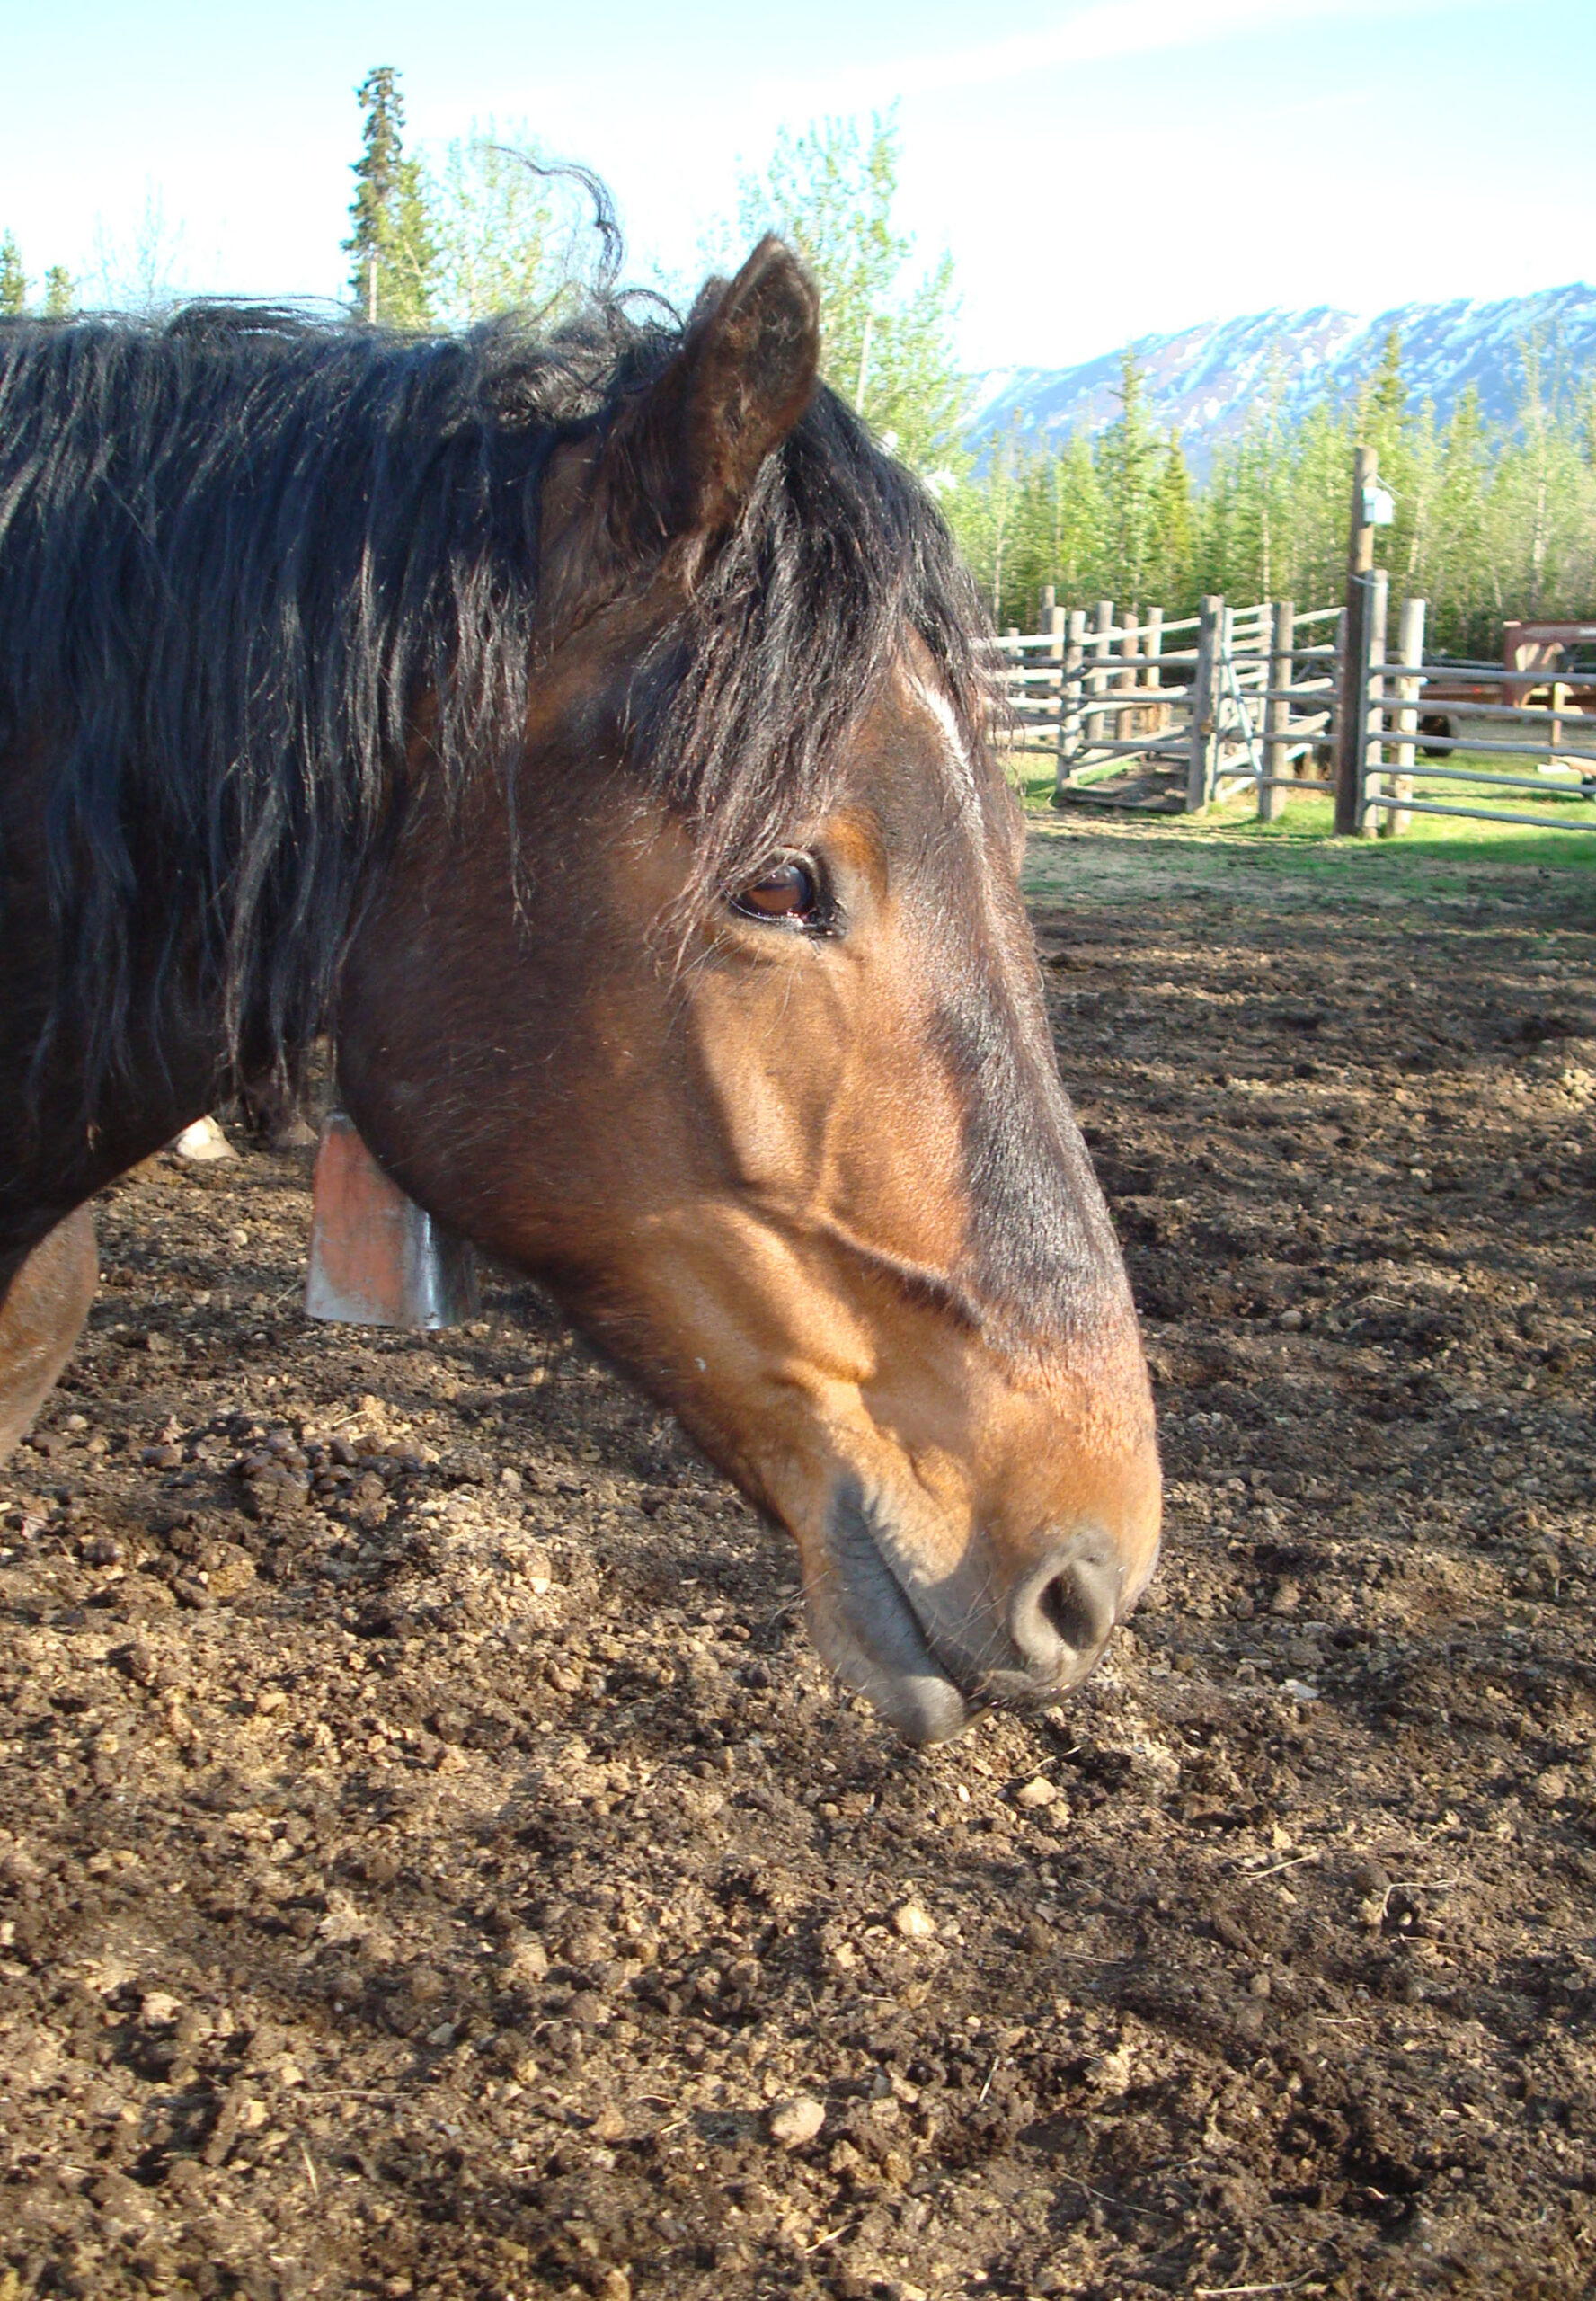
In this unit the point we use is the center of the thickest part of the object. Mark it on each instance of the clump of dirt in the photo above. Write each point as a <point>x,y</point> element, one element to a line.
<point>432,1861</point>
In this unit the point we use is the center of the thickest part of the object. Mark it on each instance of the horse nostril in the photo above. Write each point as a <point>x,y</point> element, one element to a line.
<point>1064,1605</point>
<point>1062,1614</point>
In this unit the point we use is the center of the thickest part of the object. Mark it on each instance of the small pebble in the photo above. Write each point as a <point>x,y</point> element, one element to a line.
<point>915,1924</point>
<point>528,1959</point>
<point>796,2121</point>
<point>1036,1793</point>
<point>1110,2072</point>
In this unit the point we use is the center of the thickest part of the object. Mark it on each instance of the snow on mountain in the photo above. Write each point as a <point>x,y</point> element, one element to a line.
<point>1208,379</point>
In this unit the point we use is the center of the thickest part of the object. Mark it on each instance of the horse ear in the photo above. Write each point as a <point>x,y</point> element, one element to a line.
<point>743,377</point>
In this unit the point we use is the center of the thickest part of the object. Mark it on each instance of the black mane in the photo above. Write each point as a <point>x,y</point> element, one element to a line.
<point>238,548</point>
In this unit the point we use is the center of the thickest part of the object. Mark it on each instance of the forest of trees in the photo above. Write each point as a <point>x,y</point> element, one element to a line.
<point>1492,520</point>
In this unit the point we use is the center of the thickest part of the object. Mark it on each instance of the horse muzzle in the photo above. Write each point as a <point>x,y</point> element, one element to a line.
<point>931,1652</point>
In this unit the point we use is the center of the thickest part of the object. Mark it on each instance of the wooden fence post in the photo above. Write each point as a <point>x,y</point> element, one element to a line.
<point>1152,647</point>
<point>1372,783</point>
<point>1097,681</point>
<point>1410,649</point>
<point>1224,698</point>
<point>1277,713</point>
<point>1070,701</point>
<point>1259,713</point>
<point>1351,750</point>
<point>1204,760</point>
<point>1127,722</point>
<point>1053,625</point>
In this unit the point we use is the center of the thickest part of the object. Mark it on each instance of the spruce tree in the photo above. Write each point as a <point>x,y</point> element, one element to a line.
<point>392,247</point>
<point>1172,538</point>
<point>60,293</point>
<point>1127,460</point>
<point>13,281</point>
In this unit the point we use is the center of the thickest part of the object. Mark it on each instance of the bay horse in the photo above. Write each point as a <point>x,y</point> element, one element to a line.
<point>590,733</point>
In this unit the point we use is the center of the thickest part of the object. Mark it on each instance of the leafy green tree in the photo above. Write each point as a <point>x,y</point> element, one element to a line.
<point>392,247</point>
<point>60,292</point>
<point>14,279</point>
<point>497,238</point>
<point>888,339</point>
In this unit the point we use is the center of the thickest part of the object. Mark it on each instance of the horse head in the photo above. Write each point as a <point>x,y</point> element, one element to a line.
<point>726,1021</point>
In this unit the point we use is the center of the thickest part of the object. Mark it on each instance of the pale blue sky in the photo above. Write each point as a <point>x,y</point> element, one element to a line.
<point>1098,171</point>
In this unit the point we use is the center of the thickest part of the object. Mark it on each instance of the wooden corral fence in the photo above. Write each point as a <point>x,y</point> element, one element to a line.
<point>1168,714</point>
<point>1140,709</point>
<point>1538,734</point>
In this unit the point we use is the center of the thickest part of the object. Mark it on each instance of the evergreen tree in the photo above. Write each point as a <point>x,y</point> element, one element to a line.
<point>14,279</point>
<point>1455,582</point>
<point>60,292</point>
<point>1173,536</point>
<point>392,247</point>
<point>1127,459</point>
<point>1385,397</point>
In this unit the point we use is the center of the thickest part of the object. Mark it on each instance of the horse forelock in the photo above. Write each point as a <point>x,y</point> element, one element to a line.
<point>240,550</point>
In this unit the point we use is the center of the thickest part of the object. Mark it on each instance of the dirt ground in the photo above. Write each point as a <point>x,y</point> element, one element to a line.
<point>432,1861</point>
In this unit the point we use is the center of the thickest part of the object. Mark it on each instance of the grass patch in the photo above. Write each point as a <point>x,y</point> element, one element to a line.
<point>1302,839</point>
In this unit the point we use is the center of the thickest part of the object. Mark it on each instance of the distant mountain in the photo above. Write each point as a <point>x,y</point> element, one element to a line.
<point>1208,379</point>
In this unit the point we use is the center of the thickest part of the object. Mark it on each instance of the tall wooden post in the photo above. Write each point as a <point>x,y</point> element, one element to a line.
<point>1203,758</point>
<point>1373,784</point>
<point>1053,623</point>
<point>1259,714</point>
<point>1351,748</point>
<point>1277,713</point>
<point>1070,716</point>
<point>1410,649</point>
<point>1227,719</point>
<point>1329,749</point>
<point>1129,722</point>
<point>1097,681</point>
<point>1152,647</point>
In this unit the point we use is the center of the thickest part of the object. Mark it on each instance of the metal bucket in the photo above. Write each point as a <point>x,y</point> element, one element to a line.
<point>377,1258</point>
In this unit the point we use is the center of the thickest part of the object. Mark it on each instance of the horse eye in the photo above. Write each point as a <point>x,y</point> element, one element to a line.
<point>786,891</point>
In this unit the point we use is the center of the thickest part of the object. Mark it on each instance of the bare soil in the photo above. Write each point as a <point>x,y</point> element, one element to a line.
<point>432,1861</point>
